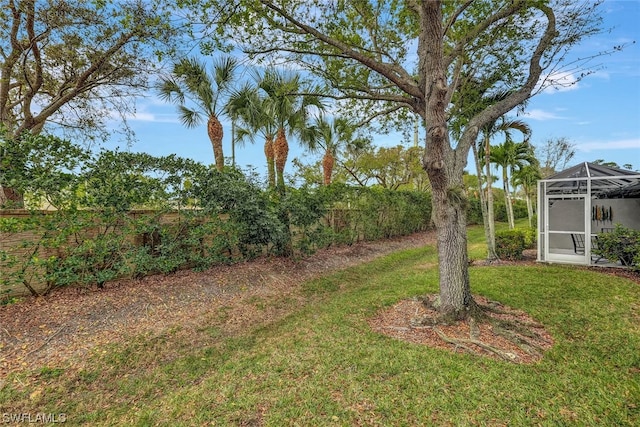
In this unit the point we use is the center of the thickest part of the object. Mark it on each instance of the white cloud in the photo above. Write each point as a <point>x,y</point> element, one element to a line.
<point>537,114</point>
<point>622,144</point>
<point>150,110</point>
<point>605,75</point>
<point>143,116</point>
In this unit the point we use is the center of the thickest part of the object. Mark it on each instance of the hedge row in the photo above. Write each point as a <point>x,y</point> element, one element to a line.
<point>235,221</point>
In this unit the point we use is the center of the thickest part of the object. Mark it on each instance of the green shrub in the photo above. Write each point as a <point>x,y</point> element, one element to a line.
<point>510,244</point>
<point>519,209</point>
<point>474,211</point>
<point>621,244</point>
<point>530,237</point>
<point>253,214</point>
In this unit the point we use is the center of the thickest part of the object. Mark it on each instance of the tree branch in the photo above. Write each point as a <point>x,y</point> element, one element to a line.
<point>516,97</point>
<point>469,35</point>
<point>393,72</point>
<point>83,84</point>
<point>454,17</point>
<point>378,114</point>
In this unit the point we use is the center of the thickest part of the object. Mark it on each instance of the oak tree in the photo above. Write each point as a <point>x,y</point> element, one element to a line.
<point>381,57</point>
<point>74,65</point>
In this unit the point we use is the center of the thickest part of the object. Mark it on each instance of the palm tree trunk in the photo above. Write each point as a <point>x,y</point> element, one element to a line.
<point>507,196</point>
<point>233,144</point>
<point>271,164</point>
<point>490,206</point>
<point>214,129</point>
<point>491,246</point>
<point>527,193</point>
<point>327,167</point>
<point>280,151</point>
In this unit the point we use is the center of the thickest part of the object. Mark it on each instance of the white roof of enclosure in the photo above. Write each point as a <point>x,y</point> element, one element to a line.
<point>605,181</point>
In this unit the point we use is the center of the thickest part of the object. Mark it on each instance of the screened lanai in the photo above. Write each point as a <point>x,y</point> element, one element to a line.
<point>577,204</point>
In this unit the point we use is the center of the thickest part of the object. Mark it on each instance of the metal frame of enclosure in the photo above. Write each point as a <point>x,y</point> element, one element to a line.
<point>577,204</point>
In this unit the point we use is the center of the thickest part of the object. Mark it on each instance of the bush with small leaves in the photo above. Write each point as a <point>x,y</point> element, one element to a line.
<point>530,237</point>
<point>510,244</point>
<point>621,244</point>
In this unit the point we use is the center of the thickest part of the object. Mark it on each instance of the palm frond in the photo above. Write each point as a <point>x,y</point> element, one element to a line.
<point>243,134</point>
<point>169,91</point>
<point>190,118</point>
<point>515,124</point>
<point>224,71</point>
<point>193,74</point>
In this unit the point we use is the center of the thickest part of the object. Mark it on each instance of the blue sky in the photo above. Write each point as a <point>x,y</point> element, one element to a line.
<point>600,115</point>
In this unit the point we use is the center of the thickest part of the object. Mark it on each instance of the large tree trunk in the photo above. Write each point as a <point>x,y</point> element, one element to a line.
<point>214,129</point>
<point>451,226</point>
<point>445,173</point>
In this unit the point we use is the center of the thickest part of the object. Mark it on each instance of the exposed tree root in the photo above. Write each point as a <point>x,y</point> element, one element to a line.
<point>497,308</point>
<point>514,326</point>
<point>474,329</point>
<point>464,344</point>
<point>522,337</point>
<point>522,333</point>
<point>524,344</point>
<point>473,311</point>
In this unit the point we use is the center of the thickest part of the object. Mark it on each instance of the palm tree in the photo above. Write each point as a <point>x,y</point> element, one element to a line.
<point>527,177</point>
<point>291,111</point>
<point>473,99</point>
<point>190,80</point>
<point>484,154</point>
<point>254,117</point>
<point>511,156</point>
<point>486,202</point>
<point>329,136</point>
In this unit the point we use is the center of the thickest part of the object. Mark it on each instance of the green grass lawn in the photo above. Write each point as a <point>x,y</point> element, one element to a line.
<point>322,365</point>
